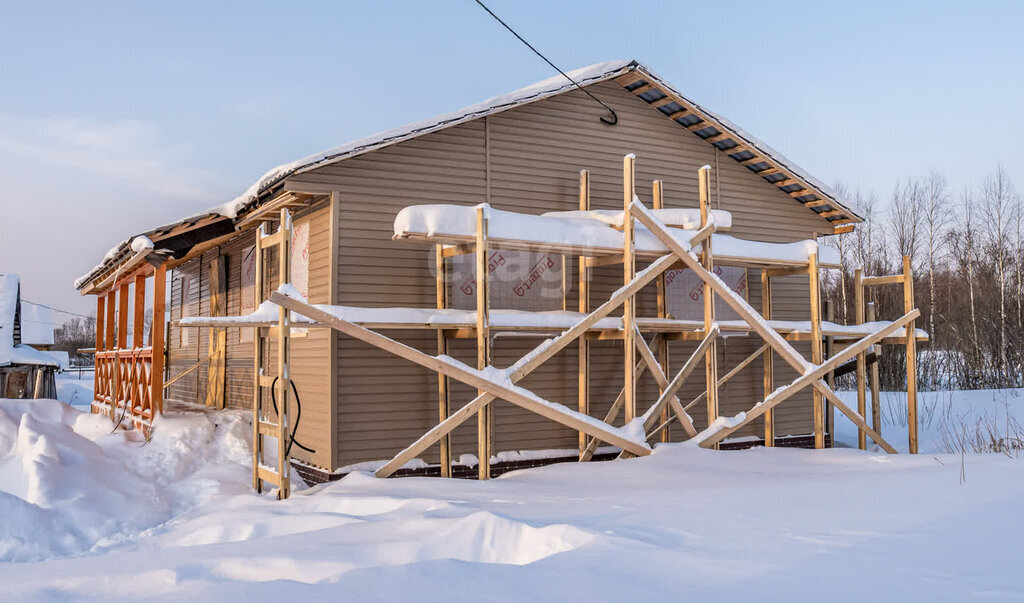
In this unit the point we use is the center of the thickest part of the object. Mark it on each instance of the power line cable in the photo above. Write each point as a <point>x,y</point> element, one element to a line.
<point>25,301</point>
<point>615,117</point>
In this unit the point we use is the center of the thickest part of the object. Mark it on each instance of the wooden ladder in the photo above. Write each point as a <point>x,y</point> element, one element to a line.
<point>270,376</point>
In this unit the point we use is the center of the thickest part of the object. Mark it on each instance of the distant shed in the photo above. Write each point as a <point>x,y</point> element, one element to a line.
<point>25,372</point>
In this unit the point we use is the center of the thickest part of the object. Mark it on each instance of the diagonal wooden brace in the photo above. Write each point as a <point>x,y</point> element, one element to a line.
<point>538,356</point>
<point>721,381</point>
<point>473,378</point>
<point>659,374</point>
<point>670,388</point>
<point>779,345</point>
<point>813,377</point>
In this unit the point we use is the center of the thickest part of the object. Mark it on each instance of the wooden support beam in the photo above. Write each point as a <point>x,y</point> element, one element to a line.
<point>719,138</point>
<point>816,352</point>
<point>876,400</point>
<point>216,375</point>
<point>583,352</point>
<point>459,371</point>
<point>661,378</point>
<point>681,113</point>
<point>191,368</point>
<point>858,312</point>
<point>722,381</point>
<point>700,125</point>
<point>874,281</point>
<point>612,414</point>
<point>258,356</point>
<point>662,102</point>
<point>484,424</point>
<point>628,274</point>
<point>658,201</point>
<point>139,312</point>
<point>443,398</point>
<point>284,272</point>
<point>830,379</point>
<point>767,366</point>
<point>157,338</point>
<point>708,264</point>
<point>629,78</point>
<point>908,305</point>
<point>668,396</point>
<point>732,373</point>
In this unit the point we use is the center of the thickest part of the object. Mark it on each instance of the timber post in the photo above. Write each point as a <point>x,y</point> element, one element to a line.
<point>767,367</point>
<point>443,398</point>
<point>628,273</point>
<point>583,358</point>
<point>658,202</point>
<point>816,351</point>
<point>876,401</point>
<point>858,303</point>
<point>157,338</point>
<point>484,424</point>
<point>707,262</point>
<point>911,344</point>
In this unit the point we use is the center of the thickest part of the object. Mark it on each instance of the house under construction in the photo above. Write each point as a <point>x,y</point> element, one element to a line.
<point>521,281</point>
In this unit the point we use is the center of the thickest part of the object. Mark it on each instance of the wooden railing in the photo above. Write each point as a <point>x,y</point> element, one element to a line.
<point>124,385</point>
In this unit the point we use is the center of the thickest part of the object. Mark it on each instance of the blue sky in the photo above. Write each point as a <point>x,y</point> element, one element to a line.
<point>118,116</point>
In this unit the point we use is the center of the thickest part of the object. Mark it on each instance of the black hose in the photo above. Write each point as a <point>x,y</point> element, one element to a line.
<point>298,417</point>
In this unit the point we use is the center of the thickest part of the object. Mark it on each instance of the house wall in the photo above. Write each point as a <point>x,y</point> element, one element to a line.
<point>527,159</point>
<point>311,358</point>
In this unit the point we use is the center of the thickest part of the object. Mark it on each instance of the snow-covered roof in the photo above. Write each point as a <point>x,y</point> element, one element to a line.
<point>11,353</point>
<point>540,90</point>
<point>9,286</point>
<point>36,324</point>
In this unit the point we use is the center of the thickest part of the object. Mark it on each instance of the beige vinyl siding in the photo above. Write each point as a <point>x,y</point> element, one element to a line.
<point>527,159</point>
<point>311,355</point>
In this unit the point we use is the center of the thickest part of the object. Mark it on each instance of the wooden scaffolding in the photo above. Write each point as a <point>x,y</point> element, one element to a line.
<point>644,421</point>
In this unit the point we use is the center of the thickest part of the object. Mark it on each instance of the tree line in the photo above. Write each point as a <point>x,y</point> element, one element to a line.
<point>967,255</point>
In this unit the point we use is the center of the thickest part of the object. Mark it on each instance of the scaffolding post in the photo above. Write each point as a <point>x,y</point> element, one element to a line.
<point>830,379</point>
<point>628,272</point>
<point>583,375</point>
<point>876,401</point>
<point>816,351</point>
<point>485,419</point>
<point>443,399</point>
<point>911,339</point>
<point>658,202</point>
<point>707,262</point>
<point>767,366</point>
<point>858,313</point>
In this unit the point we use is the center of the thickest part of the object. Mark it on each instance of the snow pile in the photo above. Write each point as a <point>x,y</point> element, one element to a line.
<point>69,486</point>
<point>141,243</point>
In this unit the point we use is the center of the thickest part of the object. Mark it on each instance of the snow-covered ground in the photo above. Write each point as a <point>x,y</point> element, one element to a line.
<point>75,388</point>
<point>90,514</point>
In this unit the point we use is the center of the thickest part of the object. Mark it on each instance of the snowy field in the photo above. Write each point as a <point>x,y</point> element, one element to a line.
<point>90,514</point>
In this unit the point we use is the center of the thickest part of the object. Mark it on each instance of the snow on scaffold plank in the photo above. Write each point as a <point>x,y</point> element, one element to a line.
<point>457,224</point>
